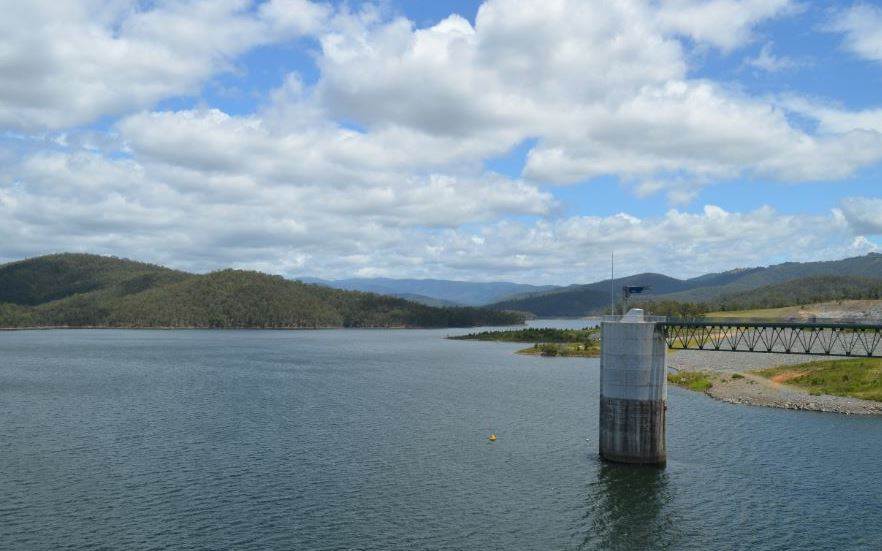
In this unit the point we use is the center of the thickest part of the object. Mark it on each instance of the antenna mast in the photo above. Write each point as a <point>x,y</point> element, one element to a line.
<point>612,277</point>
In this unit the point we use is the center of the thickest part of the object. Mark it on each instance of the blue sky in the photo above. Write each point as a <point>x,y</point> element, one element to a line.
<point>463,139</point>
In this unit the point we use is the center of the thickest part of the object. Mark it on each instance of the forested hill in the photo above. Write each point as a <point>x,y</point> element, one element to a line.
<point>77,290</point>
<point>47,278</point>
<point>807,290</point>
<point>791,282</point>
<point>580,300</point>
<point>716,286</point>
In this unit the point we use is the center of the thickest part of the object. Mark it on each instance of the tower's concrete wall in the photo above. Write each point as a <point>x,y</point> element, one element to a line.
<point>633,391</point>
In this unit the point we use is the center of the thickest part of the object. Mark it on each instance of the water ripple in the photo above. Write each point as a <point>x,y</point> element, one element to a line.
<point>377,440</point>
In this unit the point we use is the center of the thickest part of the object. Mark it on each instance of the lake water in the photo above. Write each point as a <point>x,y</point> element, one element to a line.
<point>370,439</point>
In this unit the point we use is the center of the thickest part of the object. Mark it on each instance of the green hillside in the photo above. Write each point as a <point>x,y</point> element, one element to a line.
<point>769,298</point>
<point>805,290</point>
<point>566,304</point>
<point>46,278</point>
<point>582,300</point>
<point>713,290</point>
<point>92,291</point>
<point>422,299</point>
<point>779,285</point>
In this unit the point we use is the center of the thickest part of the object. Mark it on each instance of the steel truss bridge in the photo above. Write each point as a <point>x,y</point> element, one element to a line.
<point>835,338</point>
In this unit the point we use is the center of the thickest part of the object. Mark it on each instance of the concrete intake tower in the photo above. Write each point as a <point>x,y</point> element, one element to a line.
<point>633,390</point>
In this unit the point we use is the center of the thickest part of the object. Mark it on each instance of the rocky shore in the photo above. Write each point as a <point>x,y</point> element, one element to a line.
<point>746,388</point>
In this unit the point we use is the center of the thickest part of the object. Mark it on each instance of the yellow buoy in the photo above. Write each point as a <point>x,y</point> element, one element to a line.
<point>492,437</point>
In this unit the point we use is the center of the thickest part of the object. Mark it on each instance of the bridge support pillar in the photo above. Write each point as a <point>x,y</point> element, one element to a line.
<point>633,391</point>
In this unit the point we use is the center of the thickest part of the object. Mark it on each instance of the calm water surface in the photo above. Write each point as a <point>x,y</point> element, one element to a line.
<point>375,439</point>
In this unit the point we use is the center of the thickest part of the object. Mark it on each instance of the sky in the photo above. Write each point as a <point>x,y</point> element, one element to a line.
<point>499,140</point>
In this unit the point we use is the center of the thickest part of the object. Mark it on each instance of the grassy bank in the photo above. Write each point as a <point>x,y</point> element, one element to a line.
<point>536,335</point>
<point>855,378</point>
<point>583,350</point>
<point>698,381</point>
<point>547,342</point>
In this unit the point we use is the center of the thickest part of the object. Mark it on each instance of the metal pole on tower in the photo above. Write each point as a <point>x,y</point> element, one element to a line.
<point>612,287</point>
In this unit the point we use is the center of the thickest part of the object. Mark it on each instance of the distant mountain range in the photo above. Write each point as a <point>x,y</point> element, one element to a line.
<point>581,300</point>
<point>718,285</point>
<point>800,281</point>
<point>79,290</point>
<point>87,290</point>
<point>742,286</point>
<point>434,292</point>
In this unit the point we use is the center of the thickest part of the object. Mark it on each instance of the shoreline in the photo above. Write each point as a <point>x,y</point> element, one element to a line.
<point>564,353</point>
<point>754,390</point>
<point>198,328</point>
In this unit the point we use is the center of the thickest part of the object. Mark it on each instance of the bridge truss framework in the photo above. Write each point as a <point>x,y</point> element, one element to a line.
<point>812,338</point>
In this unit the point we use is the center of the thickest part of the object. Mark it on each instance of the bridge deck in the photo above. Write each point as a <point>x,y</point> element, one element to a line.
<point>820,338</point>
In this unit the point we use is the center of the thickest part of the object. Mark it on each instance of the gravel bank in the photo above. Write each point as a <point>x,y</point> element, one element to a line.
<point>758,391</point>
<point>733,362</point>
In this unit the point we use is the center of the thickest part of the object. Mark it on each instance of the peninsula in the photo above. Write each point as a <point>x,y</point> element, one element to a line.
<point>547,341</point>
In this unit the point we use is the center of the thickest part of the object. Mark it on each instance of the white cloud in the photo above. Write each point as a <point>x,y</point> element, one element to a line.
<point>453,79</point>
<point>577,248</point>
<point>725,24</point>
<point>293,18</point>
<point>863,214</point>
<point>68,63</point>
<point>203,220</point>
<point>603,87</point>
<point>767,61</point>
<point>862,27</point>
<point>291,141</point>
<point>73,194</point>
<point>697,127</point>
<point>833,119</point>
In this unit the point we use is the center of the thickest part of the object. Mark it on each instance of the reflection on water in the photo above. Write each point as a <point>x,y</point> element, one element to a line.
<point>626,508</point>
